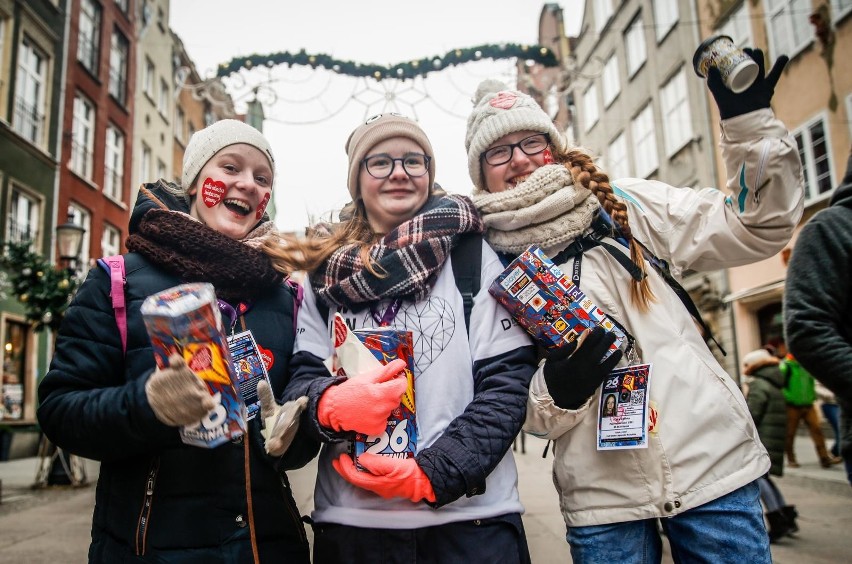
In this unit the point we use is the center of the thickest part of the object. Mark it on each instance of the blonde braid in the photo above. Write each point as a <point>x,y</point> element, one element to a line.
<point>584,171</point>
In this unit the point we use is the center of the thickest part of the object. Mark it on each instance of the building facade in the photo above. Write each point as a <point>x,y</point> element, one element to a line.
<point>32,52</point>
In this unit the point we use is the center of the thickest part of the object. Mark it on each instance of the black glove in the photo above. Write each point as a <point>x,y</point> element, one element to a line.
<point>756,96</point>
<point>573,374</point>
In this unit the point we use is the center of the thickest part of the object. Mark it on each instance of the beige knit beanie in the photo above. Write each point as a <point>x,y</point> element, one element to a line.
<point>208,141</point>
<point>498,111</point>
<point>376,130</point>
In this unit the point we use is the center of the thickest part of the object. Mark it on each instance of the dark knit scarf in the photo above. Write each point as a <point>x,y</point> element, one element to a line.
<point>409,258</point>
<point>193,252</point>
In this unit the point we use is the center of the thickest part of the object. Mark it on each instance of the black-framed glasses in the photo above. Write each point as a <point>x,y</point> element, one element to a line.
<point>532,145</point>
<point>376,117</point>
<point>382,165</point>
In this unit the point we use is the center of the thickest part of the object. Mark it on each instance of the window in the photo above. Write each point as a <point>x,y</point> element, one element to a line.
<point>618,165</point>
<point>163,99</point>
<point>83,218</point>
<point>24,217</point>
<point>634,41</point>
<point>114,163</point>
<point>816,159</point>
<point>788,28</point>
<point>590,107</point>
<point>645,142</point>
<point>4,73</point>
<point>840,8</point>
<point>16,337</point>
<point>665,14</point>
<point>145,164</point>
<point>611,82</point>
<point>110,241</point>
<point>677,120</point>
<point>148,78</point>
<point>118,67</point>
<point>82,137</point>
<point>122,5</point>
<point>161,170</point>
<point>179,124</point>
<point>603,13</point>
<point>89,36</point>
<point>738,26</point>
<point>30,93</point>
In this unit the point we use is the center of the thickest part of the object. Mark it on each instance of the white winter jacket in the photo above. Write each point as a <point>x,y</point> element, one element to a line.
<point>704,444</point>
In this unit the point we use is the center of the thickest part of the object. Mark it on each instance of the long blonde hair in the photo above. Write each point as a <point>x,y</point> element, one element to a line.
<point>584,171</point>
<point>291,254</point>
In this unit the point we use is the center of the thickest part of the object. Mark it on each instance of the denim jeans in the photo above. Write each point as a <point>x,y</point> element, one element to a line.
<point>831,412</point>
<point>729,529</point>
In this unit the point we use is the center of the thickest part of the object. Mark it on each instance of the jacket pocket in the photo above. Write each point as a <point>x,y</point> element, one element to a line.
<point>145,511</point>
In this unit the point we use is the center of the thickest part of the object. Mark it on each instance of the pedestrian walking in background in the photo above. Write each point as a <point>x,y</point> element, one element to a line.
<point>800,394</point>
<point>818,303</point>
<point>698,473</point>
<point>769,410</point>
<point>391,264</point>
<point>831,412</point>
<point>158,499</point>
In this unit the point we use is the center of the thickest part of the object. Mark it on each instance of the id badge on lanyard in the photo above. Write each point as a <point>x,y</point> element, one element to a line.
<point>249,368</point>
<point>623,413</point>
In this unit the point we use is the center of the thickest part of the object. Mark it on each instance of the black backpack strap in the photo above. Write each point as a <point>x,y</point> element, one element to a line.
<point>467,270</point>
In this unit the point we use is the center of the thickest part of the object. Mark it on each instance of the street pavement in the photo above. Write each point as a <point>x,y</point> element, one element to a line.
<point>52,525</point>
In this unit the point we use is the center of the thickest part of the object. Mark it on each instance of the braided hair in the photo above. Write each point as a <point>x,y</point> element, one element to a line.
<point>584,171</point>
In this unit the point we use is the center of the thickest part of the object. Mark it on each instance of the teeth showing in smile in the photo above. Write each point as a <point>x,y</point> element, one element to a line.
<point>517,180</point>
<point>238,206</point>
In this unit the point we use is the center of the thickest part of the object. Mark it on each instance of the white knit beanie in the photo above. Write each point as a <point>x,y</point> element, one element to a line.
<point>208,141</point>
<point>377,129</point>
<point>498,111</point>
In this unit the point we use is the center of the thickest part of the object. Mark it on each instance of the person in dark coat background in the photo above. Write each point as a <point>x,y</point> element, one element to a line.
<point>818,303</point>
<point>769,410</point>
<point>158,499</point>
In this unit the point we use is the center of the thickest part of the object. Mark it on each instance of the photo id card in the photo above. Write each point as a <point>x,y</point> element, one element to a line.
<point>623,410</point>
<point>249,370</point>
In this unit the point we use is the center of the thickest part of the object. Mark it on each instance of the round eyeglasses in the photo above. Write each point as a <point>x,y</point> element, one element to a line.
<point>501,154</point>
<point>382,165</point>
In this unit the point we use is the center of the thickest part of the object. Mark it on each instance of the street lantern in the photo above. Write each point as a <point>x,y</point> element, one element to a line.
<point>69,241</point>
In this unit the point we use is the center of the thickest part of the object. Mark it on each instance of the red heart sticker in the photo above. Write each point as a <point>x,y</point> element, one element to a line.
<point>201,360</point>
<point>504,100</point>
<point>267,357</point>
<point>548,156</point>
<point>262,207</point>
<point>212,192</point>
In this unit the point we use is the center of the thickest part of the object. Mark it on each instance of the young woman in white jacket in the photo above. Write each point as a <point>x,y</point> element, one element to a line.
<point>703,455</point>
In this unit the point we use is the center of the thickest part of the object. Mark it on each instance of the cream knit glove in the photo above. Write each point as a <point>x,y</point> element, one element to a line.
<point>177,396</point>
<point>280,421</point>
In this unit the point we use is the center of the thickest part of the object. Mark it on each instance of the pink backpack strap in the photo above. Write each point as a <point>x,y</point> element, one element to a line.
<point>115,266</point>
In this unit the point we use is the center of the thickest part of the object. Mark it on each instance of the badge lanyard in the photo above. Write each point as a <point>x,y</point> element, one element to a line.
<point>389,315</point>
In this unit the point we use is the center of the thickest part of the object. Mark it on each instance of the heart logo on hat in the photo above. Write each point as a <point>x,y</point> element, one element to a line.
<point>504,100</point>
<point>212,192</point>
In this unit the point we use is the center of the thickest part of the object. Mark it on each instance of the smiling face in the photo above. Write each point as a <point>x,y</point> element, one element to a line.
<point>508,175</point>
<point>232,190</point>
<point>391,201</point>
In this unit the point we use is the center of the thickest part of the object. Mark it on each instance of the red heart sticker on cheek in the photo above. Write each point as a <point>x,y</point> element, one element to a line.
<point>548,157</point>
<point>261,207</point>
<point>212,192</point>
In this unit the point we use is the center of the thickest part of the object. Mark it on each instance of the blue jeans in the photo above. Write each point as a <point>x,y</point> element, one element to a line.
<point>728,529</point>
<point>831,412</point>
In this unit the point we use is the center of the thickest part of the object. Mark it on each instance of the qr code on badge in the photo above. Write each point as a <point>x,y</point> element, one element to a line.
<point>637,397</point>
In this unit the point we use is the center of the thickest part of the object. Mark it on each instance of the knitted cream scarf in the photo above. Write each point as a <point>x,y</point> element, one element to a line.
<point>547,209</point>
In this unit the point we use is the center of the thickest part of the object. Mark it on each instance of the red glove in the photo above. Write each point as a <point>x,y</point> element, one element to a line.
<point>363,404</point>
<point>389,477</point>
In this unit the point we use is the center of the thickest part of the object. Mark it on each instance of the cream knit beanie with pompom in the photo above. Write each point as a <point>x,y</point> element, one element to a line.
<point>498,111</point>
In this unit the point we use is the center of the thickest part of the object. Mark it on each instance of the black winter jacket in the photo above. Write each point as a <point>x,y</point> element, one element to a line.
<point>769,410</point>
<point>818,301</point>
<point>158,499</point>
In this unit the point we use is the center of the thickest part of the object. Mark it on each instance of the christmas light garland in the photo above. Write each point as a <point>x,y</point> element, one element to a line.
<point>402,71</point>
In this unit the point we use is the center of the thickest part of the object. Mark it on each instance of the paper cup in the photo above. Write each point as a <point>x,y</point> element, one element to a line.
<point>737,69</point>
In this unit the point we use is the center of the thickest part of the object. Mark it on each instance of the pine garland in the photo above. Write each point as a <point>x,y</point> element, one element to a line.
<point>44,290</point>
<point>402,71</point>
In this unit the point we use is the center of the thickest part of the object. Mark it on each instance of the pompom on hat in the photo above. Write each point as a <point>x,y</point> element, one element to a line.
<point>374,131</point>
<point>207,142</point>
<point>498,111</point>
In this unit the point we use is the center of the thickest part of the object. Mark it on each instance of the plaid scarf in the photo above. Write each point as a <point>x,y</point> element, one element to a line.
<point>410,257</point>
